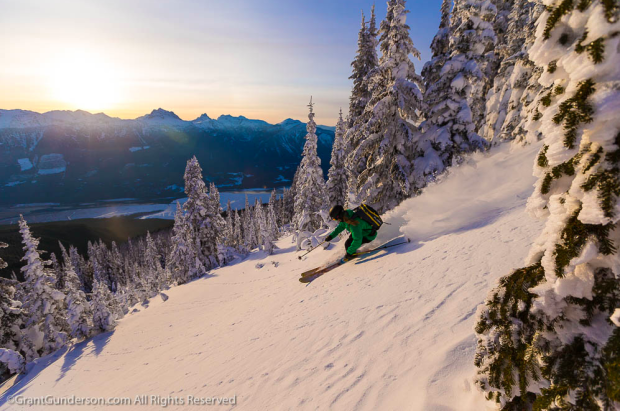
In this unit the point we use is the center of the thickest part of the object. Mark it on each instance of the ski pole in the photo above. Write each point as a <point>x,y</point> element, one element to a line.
<point>311,250</point>
<point>392,245</point>
<point>383,247</point>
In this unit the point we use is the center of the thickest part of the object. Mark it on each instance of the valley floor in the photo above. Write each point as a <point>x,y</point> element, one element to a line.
<point>389,331</point>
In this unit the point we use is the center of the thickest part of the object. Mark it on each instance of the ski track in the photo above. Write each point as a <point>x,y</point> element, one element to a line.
<point>389,331</point>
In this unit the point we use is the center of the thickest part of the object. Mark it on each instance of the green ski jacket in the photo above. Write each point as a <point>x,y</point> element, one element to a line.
<point>358,232</point>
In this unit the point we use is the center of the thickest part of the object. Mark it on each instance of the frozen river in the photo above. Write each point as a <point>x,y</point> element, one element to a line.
<point>46,212</point>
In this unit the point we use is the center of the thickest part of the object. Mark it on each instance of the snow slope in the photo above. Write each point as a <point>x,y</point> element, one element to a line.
<point>389,331</point>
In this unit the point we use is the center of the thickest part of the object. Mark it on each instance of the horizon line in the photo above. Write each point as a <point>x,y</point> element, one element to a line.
<point>155,110</point>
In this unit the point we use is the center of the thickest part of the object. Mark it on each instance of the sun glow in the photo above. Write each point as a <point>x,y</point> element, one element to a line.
<point>84,81</point>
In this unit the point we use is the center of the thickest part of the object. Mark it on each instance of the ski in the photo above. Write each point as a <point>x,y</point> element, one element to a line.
<point>311,275</point>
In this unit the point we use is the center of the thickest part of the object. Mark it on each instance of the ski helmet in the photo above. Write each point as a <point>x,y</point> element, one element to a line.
<point>336,212</point>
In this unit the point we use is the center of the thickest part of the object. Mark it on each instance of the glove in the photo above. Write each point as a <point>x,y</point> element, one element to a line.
<point>329,238</point>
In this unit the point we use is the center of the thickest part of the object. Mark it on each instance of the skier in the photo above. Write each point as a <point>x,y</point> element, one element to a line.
<point>362,231</point>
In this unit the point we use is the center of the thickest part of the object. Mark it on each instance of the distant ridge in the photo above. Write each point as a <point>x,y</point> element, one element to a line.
<point>80,157</point>
<point>18,118</point>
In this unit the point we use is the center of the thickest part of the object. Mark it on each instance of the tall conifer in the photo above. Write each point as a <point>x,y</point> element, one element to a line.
<point>379,167</point>
<point>310,197</point>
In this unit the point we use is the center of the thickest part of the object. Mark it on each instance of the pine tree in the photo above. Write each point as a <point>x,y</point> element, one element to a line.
<point>79,314</point>
<point>516,74</point>
<point>11,362</point>
<point>200,215</point>
<point>60,278</point>
<point>379,167</point>
<point>457,98</point>
<point>258,215</point>
<point>218,226</point>
<point>310,197</point>
<point>79,265</point>
<point>55,271</point>
<point>337,177</point>
<point>248,224</point>
<point>11,315</point>
<point>365,61</point>
<point>264,240</point>
<point>545,338</point>
<point>115,262</point>
<point>152,267</point>
<point>288,206</point>
<point>437,86</point>
<point>103,308</point>
<point>238,233</point>
<point>184,262</point>
<point>364,66</point>
<point>102,256</point>
<point>272,219</point>
<point>43,304</point>
<point>229,230</point>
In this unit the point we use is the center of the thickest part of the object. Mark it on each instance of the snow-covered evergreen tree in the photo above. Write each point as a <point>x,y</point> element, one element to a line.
<point>200,215</point>
<point>219,223</point>
<point>310,197</point>
<point>224,254</point>
<point>264,240</point>
<point>11,321</point>
<point>382,139</point>
<point>43,304</point>
<point>517,76</point>
<point>79,314</point>
<point>337,177</point>
<point>184,262</point>
<point>60,278</point>
<point>229,230</point>
<point>238,233</point>
<point>11,315</point>
<point>546,338</point>
<point>365,61</point>
<point>372,59</point>
<point>152,267</point>
<point>115,262</point>
<point>272,219</point>
<point>79,265</point>
<point>457,90</point>
<point>54,270</point>
<point>288,206</point>
<point>103,308</point>
<point>437,87</point>
<point>249,226</point>
<point>256,219</point>
<point>11,362</point>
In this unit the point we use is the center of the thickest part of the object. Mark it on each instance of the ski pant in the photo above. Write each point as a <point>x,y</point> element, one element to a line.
<point>347,244</point>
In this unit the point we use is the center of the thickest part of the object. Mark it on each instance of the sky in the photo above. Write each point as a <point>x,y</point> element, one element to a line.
<point>261,59</point>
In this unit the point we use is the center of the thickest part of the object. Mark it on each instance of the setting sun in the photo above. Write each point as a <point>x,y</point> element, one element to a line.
<point>84,81</point>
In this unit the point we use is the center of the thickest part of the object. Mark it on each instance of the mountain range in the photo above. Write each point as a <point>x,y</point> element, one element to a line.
<point>71,157</point>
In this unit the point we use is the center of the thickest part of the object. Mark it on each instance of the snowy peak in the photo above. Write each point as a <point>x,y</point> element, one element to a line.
<point>26,119</point>
<point>228,121</point>
<point>203,117</point>
<point>19,119</point>
<point>77,116</point>
<point>289,123</point>
<point>161,116</point>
